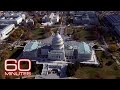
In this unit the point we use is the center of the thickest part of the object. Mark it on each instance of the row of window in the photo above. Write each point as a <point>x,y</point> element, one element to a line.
<point>7,33</point>
<point>70,57</point>
<point>58,57</point>
<point>10,32</point>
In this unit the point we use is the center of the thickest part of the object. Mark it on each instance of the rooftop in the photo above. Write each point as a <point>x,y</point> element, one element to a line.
<point>86,17</point>
<point>2,26</point>
<point>73,44</point>
<point>45,46</point>
<point>32,45</point>
<point>8,18</point>
<point>117,29</point>
<point>84,48</point>
<point>113,18</point>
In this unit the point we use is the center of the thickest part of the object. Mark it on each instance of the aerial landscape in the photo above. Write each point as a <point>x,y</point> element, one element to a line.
<point>60,44</point>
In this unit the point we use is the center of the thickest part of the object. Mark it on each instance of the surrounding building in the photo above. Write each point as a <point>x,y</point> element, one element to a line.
<point>117,31</point>
<point>8,21</point>
<point>29,21</point>
<point>50,19</point>
<point>113,21</point>
<point>6,30</point>
<point>88,18</point>
<point>12,18</point>
<point>14,13</point>
<point>53,70</point>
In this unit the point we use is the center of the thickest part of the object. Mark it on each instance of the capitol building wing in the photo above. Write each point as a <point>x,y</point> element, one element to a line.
<point>61,50</point>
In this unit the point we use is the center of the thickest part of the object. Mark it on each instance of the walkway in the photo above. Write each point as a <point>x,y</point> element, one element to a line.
<point>104,42</point>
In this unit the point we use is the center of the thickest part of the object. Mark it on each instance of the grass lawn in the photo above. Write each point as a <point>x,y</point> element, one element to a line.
<point>110,39</point>
<point>68,30</point>
<point>38,33</point>
<point>80,33</point>
<point>83,35</point>
<point>106,72</point>
<point>90,72</point>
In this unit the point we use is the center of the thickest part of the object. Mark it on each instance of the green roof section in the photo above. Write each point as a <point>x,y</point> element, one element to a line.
<point>84,48</point>
<point>31,45</point>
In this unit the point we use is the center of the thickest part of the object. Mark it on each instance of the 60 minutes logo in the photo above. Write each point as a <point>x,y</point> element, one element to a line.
<point>17,70</point>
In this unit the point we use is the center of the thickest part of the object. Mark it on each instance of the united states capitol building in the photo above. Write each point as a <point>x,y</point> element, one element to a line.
<point>60,50</point>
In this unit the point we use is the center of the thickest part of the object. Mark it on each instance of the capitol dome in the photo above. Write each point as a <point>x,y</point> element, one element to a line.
<point>70,47</point>
<point>57,41</point>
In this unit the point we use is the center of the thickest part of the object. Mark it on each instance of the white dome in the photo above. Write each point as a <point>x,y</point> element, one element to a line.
<point>57,41</point>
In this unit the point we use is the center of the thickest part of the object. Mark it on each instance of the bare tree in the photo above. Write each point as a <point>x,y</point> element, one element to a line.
<point>5,54</point>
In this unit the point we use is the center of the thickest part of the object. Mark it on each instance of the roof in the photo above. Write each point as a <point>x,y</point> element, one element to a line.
<point>74,44</point>
<point>9,18</point>
<point>86,17</point>
<point>53,15</point>
<point>84,48</point>
<point>117,29</point>
<point>113,19</point>
<point>32,45</point>
<point>6,27</point>
<point>93,60</point>
<point>57,41</point>
<point>45,47</point>
<point>2,26</point>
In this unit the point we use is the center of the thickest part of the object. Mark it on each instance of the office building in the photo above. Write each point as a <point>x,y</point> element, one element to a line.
<point>6,30</point>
